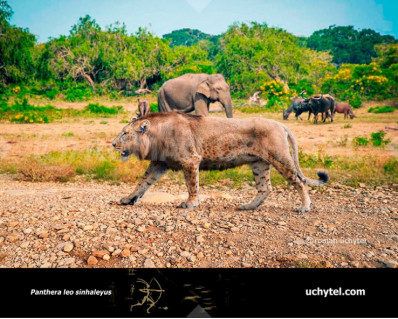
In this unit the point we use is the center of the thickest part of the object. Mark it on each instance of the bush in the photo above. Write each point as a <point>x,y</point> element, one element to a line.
<point>377,139</point>
<point>35,171</point>
<point>154,107</point>
<point>355,101</point>
<point>360,141</point>
<point>77,94</point>
<point>101,109</point>
<point>391,167</point>
<point>381,109</point>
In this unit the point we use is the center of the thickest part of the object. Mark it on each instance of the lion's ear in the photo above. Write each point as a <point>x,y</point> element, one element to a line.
<point>143,127</point>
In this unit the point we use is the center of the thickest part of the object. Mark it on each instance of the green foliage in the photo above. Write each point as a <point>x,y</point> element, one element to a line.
<point>153,107</point>
<point>188,37</point>
<point>101,109</point>
<point>381,109</point>
<point>347,126</point>
<point>23,112</point>
<point>391,167</point>
<point>68,134</point>
<point>355,101</point>
<point>377,139</point>
<point>16,49</point>
<point>252,55</point>
<point>360,141</point>
<point>364,81</point>
<point>348,45</point>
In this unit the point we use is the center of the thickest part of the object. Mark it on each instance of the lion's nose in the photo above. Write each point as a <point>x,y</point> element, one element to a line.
<point>113,144</point>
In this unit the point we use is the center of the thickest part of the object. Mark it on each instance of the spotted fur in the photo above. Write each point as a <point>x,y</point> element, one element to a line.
<point>191,143</point>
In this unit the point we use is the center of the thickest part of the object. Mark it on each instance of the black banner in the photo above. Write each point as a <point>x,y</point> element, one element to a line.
<point>199,292</point>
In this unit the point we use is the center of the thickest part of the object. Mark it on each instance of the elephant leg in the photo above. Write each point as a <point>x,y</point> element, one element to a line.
<point>155,171</point>
<point>163,106</point>
<point>201,105</point>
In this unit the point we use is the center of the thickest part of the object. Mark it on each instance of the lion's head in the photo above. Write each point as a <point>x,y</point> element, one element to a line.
<point>133,139</point>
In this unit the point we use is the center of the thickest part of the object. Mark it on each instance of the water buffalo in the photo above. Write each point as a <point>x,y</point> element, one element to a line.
<point>293,107</point>
<point>318,104</point>
<point>344,108</point>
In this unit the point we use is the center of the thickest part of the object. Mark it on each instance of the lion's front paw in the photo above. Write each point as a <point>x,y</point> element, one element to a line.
<point>188,205</point>
<point>302,209</point>
<point>128,200</point>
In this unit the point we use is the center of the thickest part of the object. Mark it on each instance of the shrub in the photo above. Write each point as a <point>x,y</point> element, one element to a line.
<point>377,139</point>
<point>347,126</point>
<point>154,107</point>
<point>34,171</point>
<point>391,167</point>
<point>381,109</point>
<point>360,141</point>
<point>101,109</point>
<point>355,101</point>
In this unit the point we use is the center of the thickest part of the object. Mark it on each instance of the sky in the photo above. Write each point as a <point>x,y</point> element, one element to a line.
<point>52,18</point>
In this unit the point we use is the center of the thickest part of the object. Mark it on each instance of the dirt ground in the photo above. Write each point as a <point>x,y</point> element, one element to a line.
<point>52,225</point>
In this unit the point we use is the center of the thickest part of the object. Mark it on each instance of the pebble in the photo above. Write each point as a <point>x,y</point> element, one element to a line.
<point>100,253</point>
<point>91,261</point>
<point>46,265</point>
<point>390,263</point>
<point>185,254</point>
<point>106,257</point>
<point>25,245</point>
<point>149,263</point>
<point>68,247</point>
<point>125,253</point>
<point>116,252</point>
<point>141,229</point>
<point>234,229</point>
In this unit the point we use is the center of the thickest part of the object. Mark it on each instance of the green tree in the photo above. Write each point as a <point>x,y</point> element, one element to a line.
<point>253,54</point>
<point>348,45</point>
<point>16,49</point>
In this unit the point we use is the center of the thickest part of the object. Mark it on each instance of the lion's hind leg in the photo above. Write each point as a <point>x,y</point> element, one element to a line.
<point>262,175</point>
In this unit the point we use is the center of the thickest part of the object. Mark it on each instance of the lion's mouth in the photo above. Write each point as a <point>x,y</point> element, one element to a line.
<point>124,154</point>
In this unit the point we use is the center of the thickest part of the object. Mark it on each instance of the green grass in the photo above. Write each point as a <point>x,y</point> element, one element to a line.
<point>68,134</point>
<point>23,112</point>
<point>381,109</point>
<point>360,141</point>
<point>347,126</point>
<point>378,140</point>
<point>105,165</point>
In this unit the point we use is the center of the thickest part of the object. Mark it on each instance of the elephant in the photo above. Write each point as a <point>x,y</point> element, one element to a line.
<point>194,92</point>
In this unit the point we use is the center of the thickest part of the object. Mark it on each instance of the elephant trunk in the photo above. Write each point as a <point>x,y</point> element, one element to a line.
<point>227,104</point>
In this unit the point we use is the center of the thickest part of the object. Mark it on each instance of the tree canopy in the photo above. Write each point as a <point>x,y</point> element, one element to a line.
<point>348,45</point>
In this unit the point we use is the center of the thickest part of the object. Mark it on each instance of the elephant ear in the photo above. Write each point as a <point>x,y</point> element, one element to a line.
<point>204,88</point>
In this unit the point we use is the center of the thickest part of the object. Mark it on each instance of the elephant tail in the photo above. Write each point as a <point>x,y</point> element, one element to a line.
<point>323,176</point>
<point>163,106</point>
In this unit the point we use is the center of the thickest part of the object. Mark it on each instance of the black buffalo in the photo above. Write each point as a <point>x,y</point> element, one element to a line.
<point>318,104</point>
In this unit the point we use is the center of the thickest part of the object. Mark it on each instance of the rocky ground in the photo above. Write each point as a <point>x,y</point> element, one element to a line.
<point>52,225</point>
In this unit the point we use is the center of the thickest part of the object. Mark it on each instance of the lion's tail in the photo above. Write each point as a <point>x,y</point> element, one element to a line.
<point>323,176</point>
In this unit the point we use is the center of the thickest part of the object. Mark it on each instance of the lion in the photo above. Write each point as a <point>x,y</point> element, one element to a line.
<point>190,143</point>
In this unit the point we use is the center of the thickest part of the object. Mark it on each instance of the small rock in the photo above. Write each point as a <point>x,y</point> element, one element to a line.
<point>116,252</point>
<point>43,235</point>
<point>246,265</point>
<point>25,245</point>
<point>88,227</point>
<point>28,231</point>
<point>141,229</point>
<point>282,223</point>
<point>46,265</point>
<point>199,239</point>
<point>206,225</point>
<point>234,229</point>
<point>192,258</point>
<point>200,255</point>
<point>69,261</point>
<point>149,263</point>
<point>12,224</point>
<point>125,253</point>
<point>185,254</point>
<point>106,257</point>
<point>143,251</point>
<point>92,261</point>
<point>68,247</point>
<point>362,185</point>
<point>390,263</point>
<point>302,256</point>
<point>100,253</point>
